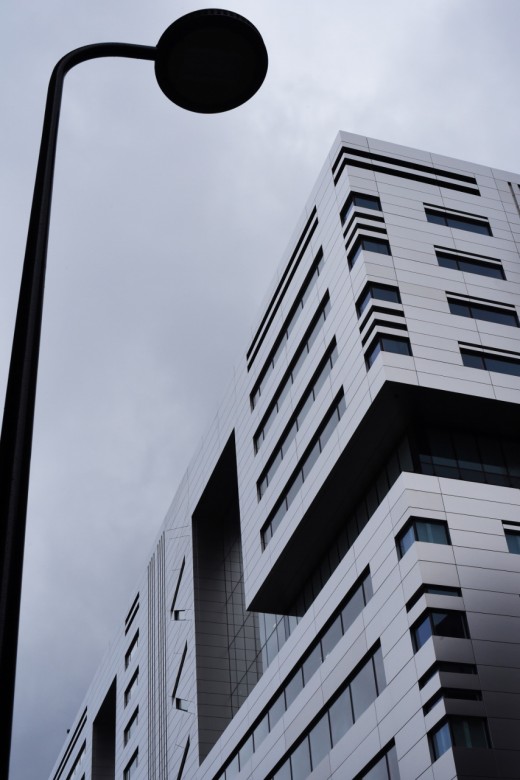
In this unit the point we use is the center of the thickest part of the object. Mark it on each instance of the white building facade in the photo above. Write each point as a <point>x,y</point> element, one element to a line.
<point>335,591</point>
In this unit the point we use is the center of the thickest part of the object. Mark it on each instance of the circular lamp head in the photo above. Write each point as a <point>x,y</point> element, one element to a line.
<point>210,61</point>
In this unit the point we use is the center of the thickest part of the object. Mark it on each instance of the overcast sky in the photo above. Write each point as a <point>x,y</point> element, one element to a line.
<point>167,229</point>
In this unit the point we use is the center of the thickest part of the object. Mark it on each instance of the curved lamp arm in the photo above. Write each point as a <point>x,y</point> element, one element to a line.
<point>207,61</point>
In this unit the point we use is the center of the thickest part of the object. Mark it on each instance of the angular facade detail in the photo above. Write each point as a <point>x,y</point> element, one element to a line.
<point>335,591</point>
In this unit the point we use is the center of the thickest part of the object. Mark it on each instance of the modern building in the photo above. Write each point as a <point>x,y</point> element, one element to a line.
<point>335,591</point>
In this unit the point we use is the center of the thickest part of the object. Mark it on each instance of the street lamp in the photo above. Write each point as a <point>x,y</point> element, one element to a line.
<point>208,61</point>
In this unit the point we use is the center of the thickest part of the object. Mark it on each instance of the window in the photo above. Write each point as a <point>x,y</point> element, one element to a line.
<point>470,263</point>
<point>385,343</point>
<point>132,687</point>
<point>419,529</point>
<point>181,704</point>
<point>459,732</point>
<point>131,768</point>
<point>383,767</point>
<point>78,763</point>
<point>483,310</point>
<point>131,726</point>
<point>131,614</point>
<point>364,243</point>
<point>179,614</point>
<point>380,292</point>
<point>130,653</point>
<point>462,694</point>
<point>450,667</point>
<point>361,201</point>
<point>437,622</point>
<point>491,361</point>
<point>513,541</point>
<point>460,220</point>
<point>435,590</point>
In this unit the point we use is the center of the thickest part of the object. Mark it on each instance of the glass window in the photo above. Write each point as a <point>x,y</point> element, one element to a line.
<point>261,730</point>
<point>430,531</point>
<point>331,637</point>
<point>340,716</point>
<point>422,632</point>
<point>301,761</point>
<point>513,541</point>
<point>379,670</point>
<point>435,217</point>
<point>469,732</point>
<point>246,751</point>
<point>449,624</point>
<point>130,653</point>
<point>311,663</point>
<point>131,726</point>
<point>352,608</point>
<point>381,292</point>
<point>284,773</point>
<point>320,740</point>
<point>293,687</point>
<point>474,224</point>
<point>378,772</point>
<point>405,539</point>
<point>131,768</point>
<point>363,689</point>
<point>440,740</point>
<point>276,710</point>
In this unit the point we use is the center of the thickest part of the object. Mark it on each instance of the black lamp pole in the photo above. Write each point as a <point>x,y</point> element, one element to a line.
<point>207,61</point>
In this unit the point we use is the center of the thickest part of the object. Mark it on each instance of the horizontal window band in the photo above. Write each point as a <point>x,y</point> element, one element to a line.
<point>283,284</point>
<point>322,311</point>
<point>403,163</point>
<point>320,376</point>
<point>449,185</point>
<point>303,467</point>
<point>366,229</point>
<point>463,254</point>
<point>359,215</point>
<point>72,744</point>
<point>481,301</point>
<point>288,323</point>
<point>491,351</point>
<point>381,307</point>
<point>380,323</point>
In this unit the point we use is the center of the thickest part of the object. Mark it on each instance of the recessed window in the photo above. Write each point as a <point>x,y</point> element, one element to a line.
<point>380,292</point>
<point>435,590</point>
<point>459,732</point>
<point>491,361</point>
<point>130,653</point>
<point>132,687</point>
<point>437,622</point>
<point>486,311</point>
<point>461,694</point>
<point>513,541</point>
<point>361,201</point>
<point>470,263</point>
<point>366,244</point>
<point>385,343</point>
<point>419,529</point>
<point>131,726</point>
<point>460,220</point>
<point>131,768</point>
<point>179,614</point>
<point>181,704</point>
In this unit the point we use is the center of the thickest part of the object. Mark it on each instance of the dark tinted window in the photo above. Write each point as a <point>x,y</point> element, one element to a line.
<point>379,245</point>
<point>513,541</point>
<point>471,265</point>
<point>480,311</point>
<point>397,344</point>
<point>469,222</point>
<point>361,201</point>
<point>381,292</point>
<point>486,360</point>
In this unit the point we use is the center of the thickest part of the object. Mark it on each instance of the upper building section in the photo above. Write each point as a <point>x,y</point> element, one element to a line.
<point>402,282</point>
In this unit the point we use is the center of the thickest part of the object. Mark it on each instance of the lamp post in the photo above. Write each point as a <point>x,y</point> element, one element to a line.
<point>208,61</point>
